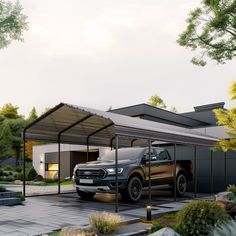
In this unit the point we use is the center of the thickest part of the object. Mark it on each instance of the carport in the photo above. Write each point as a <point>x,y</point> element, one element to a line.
<point>69,124</point>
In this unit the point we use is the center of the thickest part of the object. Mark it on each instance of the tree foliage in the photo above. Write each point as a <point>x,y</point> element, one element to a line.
<point>157,101</point>
<point>5,140</point>
<point>227,118</point>
<point>33,114</point>
<point>211,28</point>
<point>12,22</point>
<point>10,111</point>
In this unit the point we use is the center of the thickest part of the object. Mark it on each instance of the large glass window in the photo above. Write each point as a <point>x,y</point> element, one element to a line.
<point>51,167</point>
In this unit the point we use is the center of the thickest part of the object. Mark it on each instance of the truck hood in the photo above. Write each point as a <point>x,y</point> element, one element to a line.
<point>105,164</point>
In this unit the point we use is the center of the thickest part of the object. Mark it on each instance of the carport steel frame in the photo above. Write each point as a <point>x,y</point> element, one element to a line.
<point>116,138</point>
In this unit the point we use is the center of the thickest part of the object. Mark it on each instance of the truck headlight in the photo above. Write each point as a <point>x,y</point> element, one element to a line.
<point>112,171</point>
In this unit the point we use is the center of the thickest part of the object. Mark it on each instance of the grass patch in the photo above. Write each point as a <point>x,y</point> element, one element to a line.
<point>104,222</point>
<point>166,220</point>
<point>54,234</point>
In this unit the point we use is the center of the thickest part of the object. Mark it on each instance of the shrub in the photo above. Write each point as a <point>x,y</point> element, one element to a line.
<point>104,223</point>
<point>156,226</point>
<point>18,169</point>
<point>8,168</point>
<point>39,178</point>
<point>1,172</point>
<point>32,174</point>
<point>21,197</point>
<point>20,176</point>
<point>49,181</point>
<point>196,218</point>
<point>232,189</point>
<point>2,189</point>
<point>225,229</point>
<point>10,173</point>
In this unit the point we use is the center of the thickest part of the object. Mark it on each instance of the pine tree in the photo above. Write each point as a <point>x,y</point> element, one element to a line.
<point>6,149</point>
<point>33,114</point>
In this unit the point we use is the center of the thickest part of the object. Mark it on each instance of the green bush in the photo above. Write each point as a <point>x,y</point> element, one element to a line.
<point>198,216</point>
<point>32,174</point>
<point>5,173</point>
<point>8,168</point>
<point>1,172</point>
<point>39,178</point>
<point>156,226</point>
<point>21,197</point>
<point>49,181</point>
<point>20,176</point>
<point>232,189</point>
<point>225,229</point>
<point>18,169</point>
<point>2,189</point>
<point>104,223</point>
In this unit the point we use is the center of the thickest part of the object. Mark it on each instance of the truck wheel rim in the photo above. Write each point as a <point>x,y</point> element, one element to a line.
<point>182,184</point>
<point>135,189</point>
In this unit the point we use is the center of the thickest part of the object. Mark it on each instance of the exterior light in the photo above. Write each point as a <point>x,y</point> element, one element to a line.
<point>41,162</point>
<point>149,213</point>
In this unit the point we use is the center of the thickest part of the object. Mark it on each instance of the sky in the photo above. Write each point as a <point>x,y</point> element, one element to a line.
<point>102,53</point>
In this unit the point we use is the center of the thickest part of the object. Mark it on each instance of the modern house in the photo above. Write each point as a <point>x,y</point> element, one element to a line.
<point>201,120</point>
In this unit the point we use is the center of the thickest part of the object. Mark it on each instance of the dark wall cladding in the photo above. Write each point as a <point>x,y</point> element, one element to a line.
<point>203,166</point>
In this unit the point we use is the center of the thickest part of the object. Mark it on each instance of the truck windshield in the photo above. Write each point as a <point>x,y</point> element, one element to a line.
<point>124,154</point>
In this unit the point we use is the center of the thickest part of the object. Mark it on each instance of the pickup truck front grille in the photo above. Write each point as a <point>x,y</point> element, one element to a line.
<point>90,173</point>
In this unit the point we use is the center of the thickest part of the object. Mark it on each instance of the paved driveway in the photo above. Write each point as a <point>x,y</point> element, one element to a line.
<point>41,215</point>
<point>38,190</point>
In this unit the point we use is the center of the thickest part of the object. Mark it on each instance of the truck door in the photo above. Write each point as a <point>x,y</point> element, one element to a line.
<point>165,165</point>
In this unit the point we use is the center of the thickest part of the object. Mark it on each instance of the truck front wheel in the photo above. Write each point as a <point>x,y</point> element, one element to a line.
<point>133,191</point>
<point>85,195</point>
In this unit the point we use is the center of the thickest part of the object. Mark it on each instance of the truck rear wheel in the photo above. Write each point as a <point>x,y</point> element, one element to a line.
<point>181,185</point>
<point>133,191</point>
<point>85,195</point>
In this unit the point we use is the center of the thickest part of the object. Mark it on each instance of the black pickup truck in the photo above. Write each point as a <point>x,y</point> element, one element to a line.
<point>133,173</point>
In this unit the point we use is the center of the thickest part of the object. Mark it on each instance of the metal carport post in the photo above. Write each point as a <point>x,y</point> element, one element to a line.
<point>116,169</point>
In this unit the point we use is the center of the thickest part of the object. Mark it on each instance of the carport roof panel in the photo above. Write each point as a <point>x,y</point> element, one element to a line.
<point>87,121</point>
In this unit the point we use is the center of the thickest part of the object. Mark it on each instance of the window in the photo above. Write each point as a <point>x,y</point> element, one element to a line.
<point>163,156</point>
<point>51,167</point>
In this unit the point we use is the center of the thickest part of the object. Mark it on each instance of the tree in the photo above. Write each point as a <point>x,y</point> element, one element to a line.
<point>227,118</point>
<point>157,101</point>
<point>12,22</point>
<point>33,114</point>
<point>211,28</point>
<point>109,108</point>
<point>17,125</point>
<point>9,111</point>
<point>5,141</point>
<point>174,109</point>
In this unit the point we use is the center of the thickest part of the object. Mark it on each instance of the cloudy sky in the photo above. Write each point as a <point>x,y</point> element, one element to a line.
<point>101,53</point>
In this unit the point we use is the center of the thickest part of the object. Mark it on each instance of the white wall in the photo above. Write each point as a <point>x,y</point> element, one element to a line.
<point>40,150</point>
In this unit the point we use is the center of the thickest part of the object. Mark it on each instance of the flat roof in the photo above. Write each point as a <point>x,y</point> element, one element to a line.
<point>77,125</point>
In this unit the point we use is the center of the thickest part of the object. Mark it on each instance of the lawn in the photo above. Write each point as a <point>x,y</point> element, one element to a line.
<point>66,182</point>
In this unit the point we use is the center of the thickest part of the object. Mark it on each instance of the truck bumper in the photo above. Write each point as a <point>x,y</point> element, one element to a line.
<point>104,186</point>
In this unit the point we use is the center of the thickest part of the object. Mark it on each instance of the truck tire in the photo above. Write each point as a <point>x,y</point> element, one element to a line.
<point>85,195</point>
<point>181,185</point>
<point>133,191</point>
